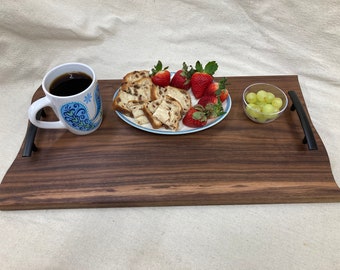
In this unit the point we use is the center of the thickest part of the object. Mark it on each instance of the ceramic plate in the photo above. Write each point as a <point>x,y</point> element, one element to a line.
<point>182,128</point>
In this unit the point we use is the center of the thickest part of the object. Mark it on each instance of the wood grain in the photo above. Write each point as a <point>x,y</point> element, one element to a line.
<point>234,162</point>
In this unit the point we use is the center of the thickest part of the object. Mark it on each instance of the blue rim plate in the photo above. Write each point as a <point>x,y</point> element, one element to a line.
<point>182,128</point>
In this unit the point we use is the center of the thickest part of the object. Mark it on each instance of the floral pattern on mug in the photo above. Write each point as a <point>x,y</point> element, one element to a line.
<point>88,98</point>
<point>77,116</point>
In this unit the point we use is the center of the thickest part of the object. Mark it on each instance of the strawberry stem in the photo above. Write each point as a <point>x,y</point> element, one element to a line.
<point>158,67</point>
<point>187,73</point>
<point>200,114</point>
<point>221,87</point>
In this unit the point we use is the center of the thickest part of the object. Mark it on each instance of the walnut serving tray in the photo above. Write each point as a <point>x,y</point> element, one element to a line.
<point>234,162</point>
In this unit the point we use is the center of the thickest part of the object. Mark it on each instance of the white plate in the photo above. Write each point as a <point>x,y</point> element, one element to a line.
<point>182,128</point>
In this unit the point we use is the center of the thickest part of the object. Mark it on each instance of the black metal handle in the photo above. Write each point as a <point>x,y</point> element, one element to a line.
<point>29,145</point>
<point>309,136</point>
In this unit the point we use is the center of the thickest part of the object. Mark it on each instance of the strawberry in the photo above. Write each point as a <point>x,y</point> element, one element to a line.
<point>212,88</point>
<point>224,94</point>
<point>159,75</point>
<point>208,99</point>
<point>202,77</point>
<point>218,89</point>
<point>212,105</point>
<point>195,117</point>
<point>182,77</point>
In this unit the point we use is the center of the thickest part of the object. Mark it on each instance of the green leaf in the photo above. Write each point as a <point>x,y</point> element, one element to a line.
<point>199,67</point>
<point>218,108</point>
<point>214,110</point>
<point>199,116</point>
<point>211,67</point>
<point>221,87</point>
<point>159,65</point>
<point>222,83</point>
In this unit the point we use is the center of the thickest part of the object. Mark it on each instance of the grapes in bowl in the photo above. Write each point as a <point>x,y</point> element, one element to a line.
<point>263,103</point>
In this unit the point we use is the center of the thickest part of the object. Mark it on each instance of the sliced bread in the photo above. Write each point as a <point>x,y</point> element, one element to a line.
<point>136,108</point>
<point>181,95</point>
<point>149,109</point>
<point>146,102</point>
<point>141,88</point>
<point>121,102</point>
<point>137,91</point>
<point>135,76</point>
<point>169,113</point>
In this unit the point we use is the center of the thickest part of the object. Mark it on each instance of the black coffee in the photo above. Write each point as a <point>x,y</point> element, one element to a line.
<point>70,84</point>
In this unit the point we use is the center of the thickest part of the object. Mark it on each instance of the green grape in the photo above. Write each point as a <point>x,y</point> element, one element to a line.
<point>269,97</point>
<point>268,109</point>
<point>261,94</point>
<point>277,102</point>
<point>251,97</point>
<point>253,110</point>
<point>260,104</point>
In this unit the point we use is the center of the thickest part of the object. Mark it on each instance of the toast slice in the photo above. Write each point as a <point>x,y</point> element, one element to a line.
<point>121,102</point>
<point>149,109</point>
<point>135,76</point>
<point>132,77</point>
<point>136,108</point>
<point>181,95</point>
<point>140,90</point>
<point>157,92</point>
<point>145,102</point>
<point>169,113</point>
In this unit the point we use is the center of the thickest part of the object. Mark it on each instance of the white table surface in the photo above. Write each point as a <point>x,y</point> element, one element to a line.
<point>115,37</point>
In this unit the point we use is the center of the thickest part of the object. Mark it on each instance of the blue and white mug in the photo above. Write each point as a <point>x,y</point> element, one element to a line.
<point>80,112</point>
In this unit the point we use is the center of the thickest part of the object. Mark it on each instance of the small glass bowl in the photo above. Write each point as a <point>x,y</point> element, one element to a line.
<point>259,111</point>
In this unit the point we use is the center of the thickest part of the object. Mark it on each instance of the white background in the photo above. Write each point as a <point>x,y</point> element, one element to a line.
<point>115,37</point>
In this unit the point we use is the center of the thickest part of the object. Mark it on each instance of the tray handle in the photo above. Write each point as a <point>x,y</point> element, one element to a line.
<point>29,145</point>
<point>309,136</point>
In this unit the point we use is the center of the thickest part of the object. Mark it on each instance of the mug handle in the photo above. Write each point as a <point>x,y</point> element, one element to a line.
<point>37,106</point>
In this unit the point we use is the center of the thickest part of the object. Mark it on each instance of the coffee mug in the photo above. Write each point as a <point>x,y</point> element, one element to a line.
<point>72,91</point>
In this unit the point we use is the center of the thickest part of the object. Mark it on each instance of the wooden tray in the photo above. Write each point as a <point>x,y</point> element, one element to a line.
<point>234,162</point>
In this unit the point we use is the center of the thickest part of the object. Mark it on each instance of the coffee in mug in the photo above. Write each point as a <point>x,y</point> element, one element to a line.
<point>70,84</point>
<point>72,91</point>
